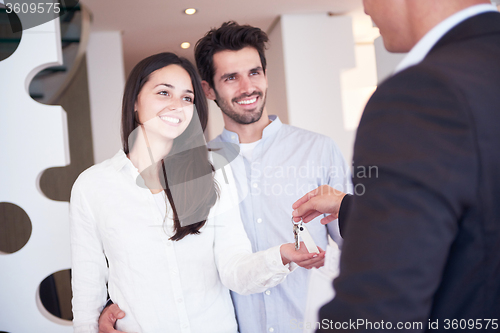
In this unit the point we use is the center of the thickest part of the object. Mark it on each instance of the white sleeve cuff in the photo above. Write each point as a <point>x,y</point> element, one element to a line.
<point>274,262</point>
<point>293,266</point>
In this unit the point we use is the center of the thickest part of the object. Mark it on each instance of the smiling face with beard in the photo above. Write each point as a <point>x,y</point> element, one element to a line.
<point>246,117</point>
<point>240,86</point>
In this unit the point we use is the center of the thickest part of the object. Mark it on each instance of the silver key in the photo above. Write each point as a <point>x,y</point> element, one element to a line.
<point>296,226</point>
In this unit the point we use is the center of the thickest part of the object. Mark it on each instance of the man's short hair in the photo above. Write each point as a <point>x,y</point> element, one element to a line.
<point>230,36</point>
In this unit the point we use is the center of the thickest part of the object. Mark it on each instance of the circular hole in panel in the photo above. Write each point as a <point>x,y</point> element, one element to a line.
<point>9,41</point>
<point>15,228</point>
<point>55,294</point>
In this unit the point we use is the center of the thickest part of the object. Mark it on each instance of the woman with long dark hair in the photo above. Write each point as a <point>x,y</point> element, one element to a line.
<point>158,225</point>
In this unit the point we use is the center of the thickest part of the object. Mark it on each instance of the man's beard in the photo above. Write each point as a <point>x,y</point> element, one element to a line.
<point>245,118</point>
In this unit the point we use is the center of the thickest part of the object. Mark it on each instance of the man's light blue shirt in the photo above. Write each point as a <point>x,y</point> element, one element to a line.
<point>286,164</point>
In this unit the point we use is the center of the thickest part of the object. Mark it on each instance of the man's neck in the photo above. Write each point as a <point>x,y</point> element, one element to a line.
<point>426,14</point>
<point>248,133</point>
<point>420,50</point>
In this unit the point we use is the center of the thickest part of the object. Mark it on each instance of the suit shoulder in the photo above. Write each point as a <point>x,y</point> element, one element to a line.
<point>420,82</point>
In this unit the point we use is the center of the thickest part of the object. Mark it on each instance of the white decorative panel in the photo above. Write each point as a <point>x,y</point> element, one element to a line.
<point>32,139</point>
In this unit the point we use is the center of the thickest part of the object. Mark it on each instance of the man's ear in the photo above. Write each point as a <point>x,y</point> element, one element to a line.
<point>209,92</point>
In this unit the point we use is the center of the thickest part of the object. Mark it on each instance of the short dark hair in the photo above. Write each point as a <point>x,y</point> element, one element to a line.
<point>189,200</point>
<point>230,36</point>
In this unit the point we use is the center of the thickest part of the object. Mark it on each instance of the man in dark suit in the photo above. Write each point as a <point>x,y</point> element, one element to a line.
<point>422,240</point>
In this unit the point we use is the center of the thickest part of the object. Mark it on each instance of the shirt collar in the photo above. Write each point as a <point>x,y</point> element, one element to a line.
<point>121,162</point>
<point>269,131</point>
<point>423,47</point>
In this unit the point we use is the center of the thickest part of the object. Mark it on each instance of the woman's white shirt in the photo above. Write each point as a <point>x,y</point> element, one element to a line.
<point>161,285</point>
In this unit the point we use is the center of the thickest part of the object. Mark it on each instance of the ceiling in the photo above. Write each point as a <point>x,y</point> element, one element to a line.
<point>153,26</point>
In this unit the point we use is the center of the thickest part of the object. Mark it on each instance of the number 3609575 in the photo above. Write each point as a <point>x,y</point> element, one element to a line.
<point>32,8</point>
<point>471,324</point>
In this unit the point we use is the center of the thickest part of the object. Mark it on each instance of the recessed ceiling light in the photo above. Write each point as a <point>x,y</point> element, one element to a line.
<point>190,11</point>
<point>185,45</point>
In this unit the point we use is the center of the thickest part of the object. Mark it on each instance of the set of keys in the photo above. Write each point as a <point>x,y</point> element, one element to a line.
<point>300,231</point>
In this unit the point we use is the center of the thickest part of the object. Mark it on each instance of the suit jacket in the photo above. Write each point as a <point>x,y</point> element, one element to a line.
<point>423,240</point>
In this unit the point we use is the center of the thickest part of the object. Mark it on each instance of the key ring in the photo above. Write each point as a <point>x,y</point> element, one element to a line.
<point>296,223</point>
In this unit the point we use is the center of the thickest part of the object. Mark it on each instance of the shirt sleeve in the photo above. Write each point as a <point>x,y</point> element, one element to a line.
<point>344,212</point>
<point>89,268</point>
<point>239,269</point>
<point>339,177</point>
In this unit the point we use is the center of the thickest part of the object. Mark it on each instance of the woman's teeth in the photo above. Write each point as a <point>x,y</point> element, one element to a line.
<point>171,119</point>
<point>248,101</point>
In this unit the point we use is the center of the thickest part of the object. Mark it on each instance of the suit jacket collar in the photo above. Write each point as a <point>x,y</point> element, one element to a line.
<point>476,26</point>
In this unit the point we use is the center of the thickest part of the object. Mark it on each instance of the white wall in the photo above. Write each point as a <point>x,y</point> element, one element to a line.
<point>359,83</point>
<point>106,83</point>
<point>386,62</point>
<point>277,91</point>
<point>215,121</point>
<point>316,49</point>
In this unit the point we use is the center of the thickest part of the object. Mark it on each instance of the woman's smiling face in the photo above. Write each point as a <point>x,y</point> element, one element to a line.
<point>165,103</point>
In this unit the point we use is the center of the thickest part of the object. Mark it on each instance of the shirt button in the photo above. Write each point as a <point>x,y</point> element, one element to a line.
<point>271,329</point>
<point>185,326</point>
<point>255,185</point>
<point>274,262</point>
<point>179,300</point>
<point>259,220</point>
<point>233,137</point>
<point>268,292</point>
<point>169,243</point>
